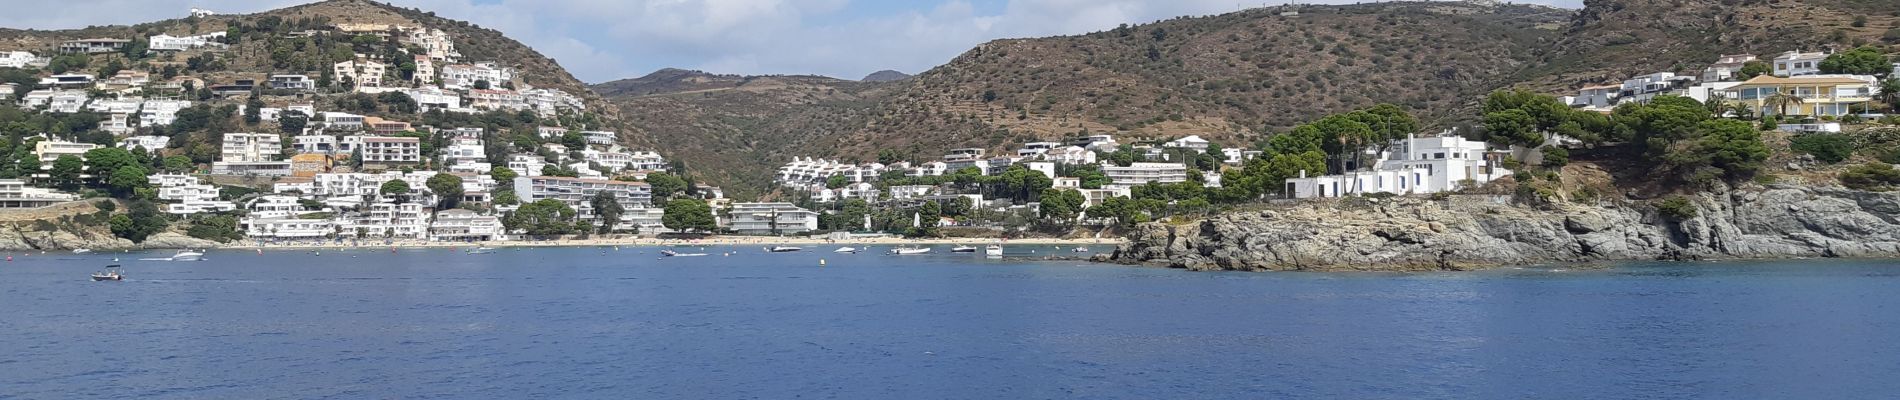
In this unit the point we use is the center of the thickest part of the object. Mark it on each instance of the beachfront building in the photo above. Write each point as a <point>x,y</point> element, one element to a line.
<point>458,225</point>
<point>287,228</point>
<point>771,219</point>
<point>1821,95</point>
<point>389,220</point>
<point>576,192</point>
<point>1413,166</point>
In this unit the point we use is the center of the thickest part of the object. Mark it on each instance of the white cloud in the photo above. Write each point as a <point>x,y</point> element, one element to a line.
<point>602,40</point>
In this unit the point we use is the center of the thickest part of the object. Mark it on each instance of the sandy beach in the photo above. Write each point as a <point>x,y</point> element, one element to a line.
<point>633,241</point>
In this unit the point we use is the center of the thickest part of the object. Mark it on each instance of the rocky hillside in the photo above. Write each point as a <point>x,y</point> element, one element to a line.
<point>735,130</point>
<point>1611,40</point>
<point>1241,76</point>
<point>1232,77</point>
<point>885,76</point>
<point>1457,233</point>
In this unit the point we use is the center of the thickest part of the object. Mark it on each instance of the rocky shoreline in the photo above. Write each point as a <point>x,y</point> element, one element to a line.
<point>1475,232</point>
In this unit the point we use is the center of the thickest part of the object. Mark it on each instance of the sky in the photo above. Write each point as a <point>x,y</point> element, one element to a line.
<point>602,40</point>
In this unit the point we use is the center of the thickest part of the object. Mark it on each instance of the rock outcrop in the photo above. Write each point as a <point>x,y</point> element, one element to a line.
<point>1468,232</point>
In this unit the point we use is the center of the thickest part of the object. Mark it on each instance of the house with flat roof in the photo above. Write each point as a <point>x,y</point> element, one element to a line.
<point>92,46</point>
<point>1821,95</point>
<point>1798,63</point>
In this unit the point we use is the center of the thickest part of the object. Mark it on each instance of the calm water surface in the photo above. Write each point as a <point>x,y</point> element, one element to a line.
<point>600,323</point>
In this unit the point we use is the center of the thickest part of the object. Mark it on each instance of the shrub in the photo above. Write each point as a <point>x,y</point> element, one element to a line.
<point>1870,176</point>
<point>1770,122</point>
<point>1827,147</point>
<point>1556,157</point>
<point>1676,208</point>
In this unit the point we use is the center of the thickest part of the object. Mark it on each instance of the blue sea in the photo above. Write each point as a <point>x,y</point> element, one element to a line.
<point>605,323</point>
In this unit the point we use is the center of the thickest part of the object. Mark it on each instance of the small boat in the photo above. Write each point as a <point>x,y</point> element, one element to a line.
<point>112,273</point>
<point>1081,250</point>
<point>670,253</point>
<point>846,250</point>
<point>188,255</point>
<point>481,250</point>
<point>81,251</point>
<point>784,249</point>
<point>902,251</point>
<point>963,249</point>
<point>994,250</point>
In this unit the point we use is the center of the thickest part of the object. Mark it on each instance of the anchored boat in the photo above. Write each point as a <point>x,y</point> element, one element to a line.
<point>993,251</point>
<point>963,249</point>
<point>670,253</point>
<point>112,273</point>
<point>784,249</point>
<point>904,251</point>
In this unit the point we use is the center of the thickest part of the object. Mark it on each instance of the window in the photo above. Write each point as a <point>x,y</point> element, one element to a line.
<point>1439,156</point>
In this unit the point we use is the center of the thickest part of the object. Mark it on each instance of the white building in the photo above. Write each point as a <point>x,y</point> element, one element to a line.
<point>577,192</point>
<point>150,143</point>
<point>1414,166</point>
<point>904,192</point>
<point>526,164</point>
<point>389,220</point>
<point>425,70</point>
<point>496,99</point>
<point>1726,67</point>
<point>14,193</point>
<point>465,76</point>
<point>1033,149</point>
<point>288,228</point>
<point>1095,142</point>
<point>431,98</point>
<point>50,151</point>
<point>291,82</point>
<point>67,101</point>
<point>1192,142</point>
<point>1601,97</point>
<point>360,72</point>
<point>326,144</point>
<point>1797,63</point>
<point>391,150</point>
<point>459,225</point>
<point>770,219</point>
<point>164,42</point>
<point>1069,155</point>
<point>161,112</point>
<point>251,154</point>
<point>598,137</point>
<point>20,59</point>
<point>341,121</point>
<point>808,172</point>
<point>1142,173</point>
<point>465,154</point>
<point>189,196</point>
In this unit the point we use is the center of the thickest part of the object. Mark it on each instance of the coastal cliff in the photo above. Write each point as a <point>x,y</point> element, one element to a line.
<point>1472,232</point>
<point>79,225</point>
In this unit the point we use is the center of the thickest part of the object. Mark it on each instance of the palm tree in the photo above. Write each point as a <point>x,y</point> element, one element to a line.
<point>1718,104</point>
<point>1781,100</point>
<point>1889,92</point>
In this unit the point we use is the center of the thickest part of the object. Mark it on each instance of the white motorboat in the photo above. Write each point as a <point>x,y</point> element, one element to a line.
<point>81,251</point>
<point>1081,250</point>
<point>670,253</point>
<point>963,249</point>
<point>904,251</point>
<point>481,250</point>
<point>784,249</point>
<point>994,250</point>
<point>188,255</point>
<point>846,250</point>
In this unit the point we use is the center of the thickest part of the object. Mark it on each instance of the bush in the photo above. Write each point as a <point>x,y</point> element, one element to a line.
<point>1676,209</point>
<point>1870,176</point>
<point>1556,157</point>
<point>1770,122</point>
<point>1827,147</point>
